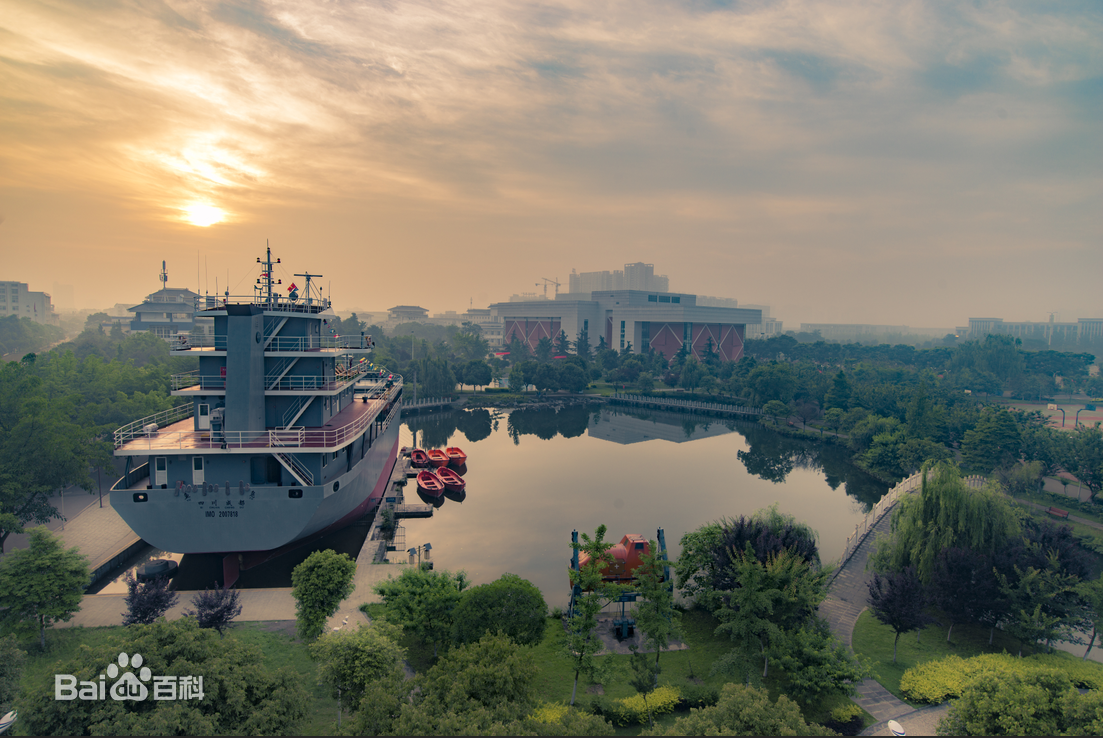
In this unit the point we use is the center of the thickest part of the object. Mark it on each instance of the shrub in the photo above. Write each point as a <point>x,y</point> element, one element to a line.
<point>629,710</point>
<point>550,712</point>
<point>698,696</point>
<point>846,719</point>
<point>938,681</point>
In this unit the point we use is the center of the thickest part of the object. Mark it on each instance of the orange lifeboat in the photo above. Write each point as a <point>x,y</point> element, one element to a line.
<point>626,555</point>
<point>419,459</point>
<point>429,483</point>
<point>453,482</point>
<point>437,457</point>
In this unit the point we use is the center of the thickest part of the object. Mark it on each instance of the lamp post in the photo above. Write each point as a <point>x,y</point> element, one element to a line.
<point>1076,424</point>
<point>427,547</point>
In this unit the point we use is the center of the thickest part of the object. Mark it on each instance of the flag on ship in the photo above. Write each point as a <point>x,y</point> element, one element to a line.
<point>292,287</point>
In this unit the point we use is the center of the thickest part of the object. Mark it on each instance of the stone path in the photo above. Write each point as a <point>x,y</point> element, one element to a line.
<point>846,599</point>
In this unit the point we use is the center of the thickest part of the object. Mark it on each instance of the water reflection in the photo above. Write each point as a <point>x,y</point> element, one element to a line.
<point>539,473</point>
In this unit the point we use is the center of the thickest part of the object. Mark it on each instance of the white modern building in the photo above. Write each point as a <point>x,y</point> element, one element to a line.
<point>18,300</point>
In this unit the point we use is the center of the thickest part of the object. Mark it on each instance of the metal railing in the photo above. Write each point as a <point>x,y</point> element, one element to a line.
<point>687,404</point>
<point>140,435</point>
<point>279,343</point>
<point>297,469</point>
<point>148,427</point>
<point>277,303</point>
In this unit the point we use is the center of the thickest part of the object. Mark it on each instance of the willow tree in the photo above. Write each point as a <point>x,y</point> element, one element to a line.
<point>945,514</point>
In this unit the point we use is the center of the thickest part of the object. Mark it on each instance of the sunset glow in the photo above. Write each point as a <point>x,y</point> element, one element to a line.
<point>203,215</point>
<point>905,163</point>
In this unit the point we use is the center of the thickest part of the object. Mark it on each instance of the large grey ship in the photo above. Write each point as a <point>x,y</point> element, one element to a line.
<point>289,431</point>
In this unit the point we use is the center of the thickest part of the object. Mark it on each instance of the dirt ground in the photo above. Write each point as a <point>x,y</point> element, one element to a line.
<point>1087,417</point>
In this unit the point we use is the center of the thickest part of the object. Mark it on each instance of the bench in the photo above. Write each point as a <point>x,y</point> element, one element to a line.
<point>1058,513</point>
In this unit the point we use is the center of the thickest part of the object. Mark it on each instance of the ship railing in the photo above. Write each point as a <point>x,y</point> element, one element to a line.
<point>147,430</point>
<point>147,427</point>
<point>286,436</point>
<point>189,379</point>
<point>357,343</point>
<point>277,303</point>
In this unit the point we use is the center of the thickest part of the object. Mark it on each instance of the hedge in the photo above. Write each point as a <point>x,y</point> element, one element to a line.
<point>938,681</point>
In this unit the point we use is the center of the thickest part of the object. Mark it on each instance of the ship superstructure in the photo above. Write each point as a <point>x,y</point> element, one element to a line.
<point>288,431</point>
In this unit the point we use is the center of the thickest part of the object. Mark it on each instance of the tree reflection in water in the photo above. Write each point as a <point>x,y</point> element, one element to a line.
<point>769,455</point>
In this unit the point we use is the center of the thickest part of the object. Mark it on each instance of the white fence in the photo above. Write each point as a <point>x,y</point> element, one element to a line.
<point>686,404</point>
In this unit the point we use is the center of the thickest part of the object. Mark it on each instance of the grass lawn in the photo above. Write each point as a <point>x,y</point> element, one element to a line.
<point>276,640</point>
<point>874,640</point>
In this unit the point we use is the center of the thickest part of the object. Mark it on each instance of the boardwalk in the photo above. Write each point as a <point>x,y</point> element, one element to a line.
<point>694,406</point>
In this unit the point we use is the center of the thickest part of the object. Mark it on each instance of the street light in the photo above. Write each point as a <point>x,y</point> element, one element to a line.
<point>426,548</point>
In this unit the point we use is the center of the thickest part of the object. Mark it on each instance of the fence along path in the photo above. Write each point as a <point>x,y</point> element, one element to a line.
<point>708,407</point>
<point>883,506</point>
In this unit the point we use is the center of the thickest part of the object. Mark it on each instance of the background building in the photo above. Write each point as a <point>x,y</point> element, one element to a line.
<point>167,312</point>
<point>637,276</point>
<point>657,321</point>
<point>18,300</point>
<point>1083,331</point>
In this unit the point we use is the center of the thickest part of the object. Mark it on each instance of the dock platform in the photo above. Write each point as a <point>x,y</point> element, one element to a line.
<point>101,535</point>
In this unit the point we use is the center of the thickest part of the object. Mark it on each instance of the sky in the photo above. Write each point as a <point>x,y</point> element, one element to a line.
<point>850,161</point>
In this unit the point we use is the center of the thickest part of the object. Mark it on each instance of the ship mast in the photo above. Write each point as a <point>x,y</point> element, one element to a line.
<point>266,280</point>
<point>308,277</point>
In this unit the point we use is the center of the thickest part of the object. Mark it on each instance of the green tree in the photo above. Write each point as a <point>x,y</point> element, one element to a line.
<point>471,689</point>
<point>1035,602</point>
<point>744,710</point>
<point>41,449</point>
<point>470,346</point>
<point>547,378</point>
<point>350,660</point>
<point>423,602</point>
<point>561,345</point>
<point>776,409</point>
<point>477,373</point>
<point>644,678</point>
<point>1092,594</point>
<point>897,599</point>
<point>319,584</point>
<point>692,374</point>
<point>945,514</point>
<point>517,378</point>
<point>41,585</point>
<point>839,394</point>
<point>242,694</point>
<point>656,615</point>
<point>510,605</point>
<point>582,344</point>
<point>572,378</point>
<point>544,350</point>
<point>12,658</point>
<point>833,418</point>
<point>995,441</point>
<point>1087,458</point>
<point>645,382</point>
<point>817,665</point>
<point>771,599</point>
<point>591,593</point>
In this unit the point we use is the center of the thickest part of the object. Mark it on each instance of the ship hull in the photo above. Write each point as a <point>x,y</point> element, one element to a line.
<point>265,517</point>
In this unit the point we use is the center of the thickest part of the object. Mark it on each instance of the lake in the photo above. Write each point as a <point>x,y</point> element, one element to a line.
<point>535,475</point>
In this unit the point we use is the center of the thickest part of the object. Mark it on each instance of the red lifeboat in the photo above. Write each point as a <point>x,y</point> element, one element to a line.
<point>456,457</point>
<point>626,555</point>
<point>419,459</point>
<point>429,483</point>
<point>437,458</point>
<point>453,482</point>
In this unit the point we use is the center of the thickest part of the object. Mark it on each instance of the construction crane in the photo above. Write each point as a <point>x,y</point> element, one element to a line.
<point>546,283</point>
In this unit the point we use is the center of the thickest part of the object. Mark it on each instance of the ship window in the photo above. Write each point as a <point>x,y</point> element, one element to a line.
<point>336,486</point>
<point>162,463</point>
<point>141,497</point>
<point>197,463</point>
<point>639,546</point>
<point>652,298</point>
<point>676,299</point>
<point>295,494</point>
<point>664,298</point>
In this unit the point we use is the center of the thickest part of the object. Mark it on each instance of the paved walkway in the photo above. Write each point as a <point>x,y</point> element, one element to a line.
<point>846,599</point>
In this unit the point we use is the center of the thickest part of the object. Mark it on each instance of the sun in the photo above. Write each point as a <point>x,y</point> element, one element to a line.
<point>203,215</point>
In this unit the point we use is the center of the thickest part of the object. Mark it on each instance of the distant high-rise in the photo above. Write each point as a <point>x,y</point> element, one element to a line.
<point>637,276</point>
<point>16,299</point>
